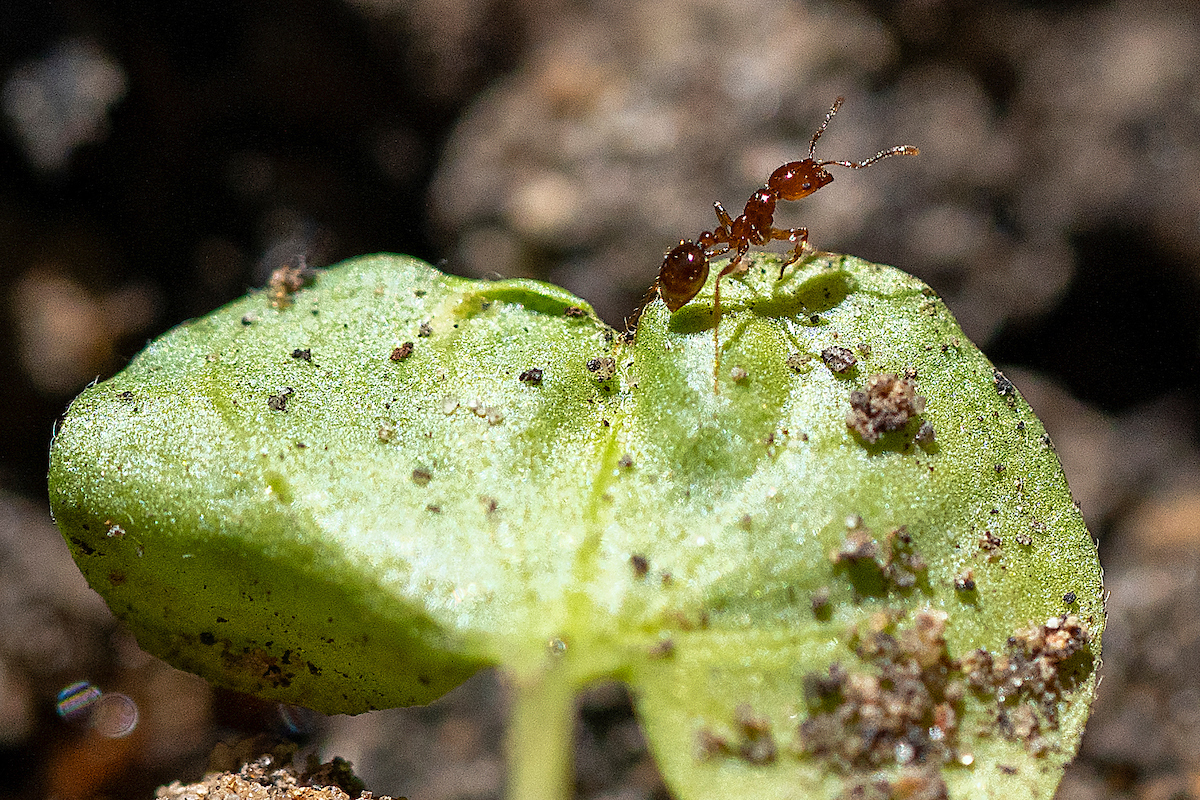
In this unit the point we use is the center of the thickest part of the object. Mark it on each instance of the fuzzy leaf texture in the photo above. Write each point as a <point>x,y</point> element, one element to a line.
<point>854,570</point>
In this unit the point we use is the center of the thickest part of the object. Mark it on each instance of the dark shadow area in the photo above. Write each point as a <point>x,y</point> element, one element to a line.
<point>1126,331</point>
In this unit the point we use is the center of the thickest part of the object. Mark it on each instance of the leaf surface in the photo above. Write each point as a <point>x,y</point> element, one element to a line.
<point>290,499</point>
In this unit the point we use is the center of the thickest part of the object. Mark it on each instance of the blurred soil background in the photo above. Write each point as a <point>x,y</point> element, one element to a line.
<point>159,159</point>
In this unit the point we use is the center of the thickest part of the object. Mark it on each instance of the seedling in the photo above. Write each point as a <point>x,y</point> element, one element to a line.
<point>806,595</point>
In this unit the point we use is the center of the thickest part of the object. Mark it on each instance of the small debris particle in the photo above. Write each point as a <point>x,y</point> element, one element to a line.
<point>838,359</point>
<point>709,745</point>
<point>278,402</point>
<point>900,714</point>
<point>270,777</point>
<point>625,461</point>
<point>126,396</point>
<point>857,546</point>
<point>532,376</point>
<point>820,600</point>
<point>286,280</point>
<point>1069,597</point>
<point>421,476</point>
<point>114,531</point>
<point>425,331</point>
<point>925,434</point>
<point>450,405</point>
<point>864,349</point>
<point>640,565</point>
<point>402,352</point>
<point>738,374</point>
<point>1004,386</point>
<point>664,648</point>
<point>574,312</point>
<point>1000,468</point>
<point>990,543</point>
<point>302,355</point>
<point>1024,539</point>
<point>965,581</point>
<point>798,362</point>
<point>493,415</point>
<point>386,431</point>
<point>433,508</point>
<point>888,403</point>
<point>249,318</point>
<point>603,368</point>
<point>757,745</point>
<point>490,504</point>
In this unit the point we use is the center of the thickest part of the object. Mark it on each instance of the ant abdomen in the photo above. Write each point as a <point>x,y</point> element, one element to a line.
<point>683,273</point>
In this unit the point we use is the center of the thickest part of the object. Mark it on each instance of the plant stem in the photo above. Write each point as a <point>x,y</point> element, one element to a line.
<point>540,736</point>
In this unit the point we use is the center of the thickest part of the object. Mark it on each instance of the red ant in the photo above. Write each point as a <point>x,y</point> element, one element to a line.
<point>685,268</point>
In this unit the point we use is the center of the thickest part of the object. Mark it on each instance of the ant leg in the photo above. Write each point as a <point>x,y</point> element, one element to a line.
<point>731,268</point>
<point>800,237</point>
<point>722,215</point>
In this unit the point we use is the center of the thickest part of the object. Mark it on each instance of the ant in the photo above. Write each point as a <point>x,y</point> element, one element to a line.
<point>685,268</point>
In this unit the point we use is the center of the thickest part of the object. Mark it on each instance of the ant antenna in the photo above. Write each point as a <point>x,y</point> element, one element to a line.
<point>812,145</point>
<point>901,150</point>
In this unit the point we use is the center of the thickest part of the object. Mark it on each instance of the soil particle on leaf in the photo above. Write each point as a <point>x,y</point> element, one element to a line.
<point>664,648</point>
<point>532,376</point>
<point>286,280</point>
<point>752,742</point>
<point>965,581</point>
<point>639,564</point>
<point>402,352</point>
<point>574,312</point>
<point>990,544</point>
<point>738,374</point>
<point>798,362</point>
<point>493,415</point>
<point>425,331</point>
<point>925,434</point>
<point>278,401</point>
<point>858,546</point>
<point>421,476</point>
<point>819,601</point>
<point>887,404</point>
<point>302,355</point>
<point>896,561</point>
<point>756,745</point>
<point>1004,387</point>
<point>839,359</point>
<point>900,714</point>
<point>602,368</point>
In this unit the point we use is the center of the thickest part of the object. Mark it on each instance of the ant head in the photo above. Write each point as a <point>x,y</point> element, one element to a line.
<point>797,179</point>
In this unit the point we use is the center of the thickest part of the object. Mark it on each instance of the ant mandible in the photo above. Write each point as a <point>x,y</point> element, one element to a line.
<point>685,268</point>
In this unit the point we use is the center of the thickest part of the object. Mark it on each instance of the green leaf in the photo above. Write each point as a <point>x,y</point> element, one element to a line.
<point>817,577</point>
